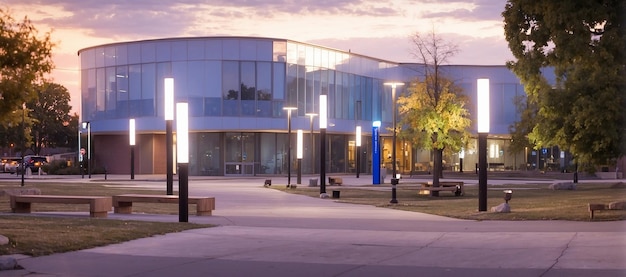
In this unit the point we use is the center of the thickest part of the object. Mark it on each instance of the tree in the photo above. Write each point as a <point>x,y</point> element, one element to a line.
<point>25,59</point>
<point>52,123</point>
<point>433,114</point>
<point>584,43</point>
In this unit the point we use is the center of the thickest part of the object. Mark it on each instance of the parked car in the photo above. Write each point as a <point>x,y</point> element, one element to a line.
<point>34,162</point>
<point>10,164</point>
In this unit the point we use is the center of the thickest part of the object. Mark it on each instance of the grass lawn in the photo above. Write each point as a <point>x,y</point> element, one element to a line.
<point>43,235</point>
<point>529,202</point>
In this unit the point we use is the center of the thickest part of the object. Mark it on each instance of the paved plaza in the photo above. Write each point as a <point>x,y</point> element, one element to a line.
<point>265,232</point>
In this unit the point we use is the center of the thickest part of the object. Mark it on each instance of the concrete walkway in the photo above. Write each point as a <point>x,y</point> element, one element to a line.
<point>264,232</point>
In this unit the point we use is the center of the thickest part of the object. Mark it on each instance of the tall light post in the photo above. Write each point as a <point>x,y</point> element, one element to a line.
<point>461,157</point>
<point>131,141</point>
<point>23,142</point>
<point>169,136</point>
<point>483,131</point>
<point>182,156</point>
<point>289,109</point>
<point>323,125</point>
<point>299,155</point>
<point>394,177</point>
<point>312,150</point>
<point>87,125</point>
<point>358,150</point>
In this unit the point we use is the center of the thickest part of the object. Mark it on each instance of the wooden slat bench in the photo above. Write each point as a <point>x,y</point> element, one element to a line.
<point>456,187</point>
<point>123,204</point>
<point>335,181</point>
<point>619,205</point>
<point>99,206</point>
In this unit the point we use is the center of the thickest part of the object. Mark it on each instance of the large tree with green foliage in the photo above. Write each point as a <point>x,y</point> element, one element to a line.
<point>433,113</point>
<point>584,42</point>
<point>52,123</point>
<point>25,59</point>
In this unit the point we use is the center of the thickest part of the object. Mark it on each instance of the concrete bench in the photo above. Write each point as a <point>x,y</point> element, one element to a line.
<point>99,206</point>
<point>456,187</point>
<point>335,181</point>
<point>123,204</point>
<point>619,205</point>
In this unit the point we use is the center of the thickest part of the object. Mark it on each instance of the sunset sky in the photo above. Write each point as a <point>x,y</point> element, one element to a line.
<point>377,28</point>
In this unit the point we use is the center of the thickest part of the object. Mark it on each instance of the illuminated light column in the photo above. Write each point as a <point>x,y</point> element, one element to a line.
<point>358,150</point>
<point>483,131</point>
<point>169,136</point>
<point>182,156</point>
<point>289,109</point>
<point>299,155</point>
<point>376,152</point>
<point>394,177</point>
<point>312,150</point>
<point>131,138</point>
<point>461,157</point>
<point>87,125</point>
<point>323,125</point>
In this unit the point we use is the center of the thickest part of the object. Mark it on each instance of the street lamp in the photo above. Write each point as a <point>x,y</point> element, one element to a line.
<point>461,157</point>
<point>289,109</point>
<point>182,152</point>
<point>323,125</point>
<point>394,177</point>
<point>299,155</point>
<point>358,150</point>
<point>131,141</point>
<point>87,125</point>
<point>312,150</point>
<point>483,130</point>
<point>169,137</point>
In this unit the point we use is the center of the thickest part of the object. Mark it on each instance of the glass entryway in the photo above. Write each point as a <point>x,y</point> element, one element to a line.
<point>239,154</point>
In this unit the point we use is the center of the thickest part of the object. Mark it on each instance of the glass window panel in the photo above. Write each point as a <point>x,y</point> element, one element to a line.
<point>231,86</point>
<point>195,49</point>
<point>278,81</point>
<point>134,82</point>
<point>268,153</point>
<point>180,74</point>
<point>264,81</point>
<point>213,106</point>
<point>230,50</point>
<point>148,88</point>
<point>196,82</point>
<point>88,59</point>
<point>179,50</point>
<point>264,50</point>
<point>209,159</point>
<point>214,78</point>
<point>110,92</point>
<point>109,56</point>
<point>280,51</point>
<point>247,49</point>
<point>100,93</point>
<point>121,54</point>
<point>89,93</point>
<point>213,49</point>
<point>163,51</point>
<point>148,52</point>
<point>196,106</point>
<point>99,56</point>
<point>248,86</point>
<point>121,76</point>
<point>134,53</point>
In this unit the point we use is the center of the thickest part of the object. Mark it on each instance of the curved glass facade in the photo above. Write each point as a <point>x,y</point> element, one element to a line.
<point>237,88</point>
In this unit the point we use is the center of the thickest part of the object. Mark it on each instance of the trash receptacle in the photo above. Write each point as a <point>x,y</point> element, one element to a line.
<point>336,193</point>
<point>313,182</point>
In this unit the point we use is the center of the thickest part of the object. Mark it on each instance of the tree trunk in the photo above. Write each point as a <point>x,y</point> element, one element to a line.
<point>437,170</point>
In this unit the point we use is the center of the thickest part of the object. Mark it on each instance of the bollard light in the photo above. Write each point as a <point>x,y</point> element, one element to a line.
<point>507,195</point>
<point>169,136</point>
<point>323,122</point>
<point>483,130</point>
<point>131,138</point>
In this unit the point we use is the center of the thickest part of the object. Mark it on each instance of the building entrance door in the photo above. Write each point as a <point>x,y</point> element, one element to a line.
<point>239,153</point>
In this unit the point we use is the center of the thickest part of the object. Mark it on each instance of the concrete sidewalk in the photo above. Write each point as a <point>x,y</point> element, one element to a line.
<point>264,232</point>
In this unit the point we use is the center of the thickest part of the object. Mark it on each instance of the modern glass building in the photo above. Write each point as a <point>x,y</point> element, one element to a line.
<point>237,88</point>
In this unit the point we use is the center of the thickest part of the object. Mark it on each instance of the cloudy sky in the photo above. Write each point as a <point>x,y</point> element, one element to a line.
<point>377,28</point>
